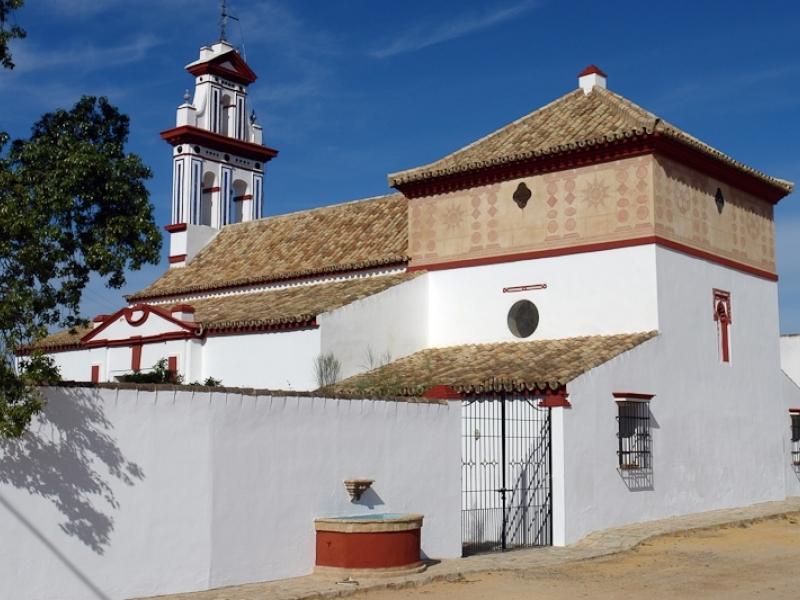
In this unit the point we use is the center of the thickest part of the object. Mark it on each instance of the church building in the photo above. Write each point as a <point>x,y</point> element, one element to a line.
<point>589,254</point>
<point>587,217</point>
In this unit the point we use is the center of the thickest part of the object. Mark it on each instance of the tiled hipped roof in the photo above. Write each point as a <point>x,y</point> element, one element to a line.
<point>275,309</point>
<point>288,306</point>
<point>344,237</point>
<point>508,366</point>
<point>574,121</point>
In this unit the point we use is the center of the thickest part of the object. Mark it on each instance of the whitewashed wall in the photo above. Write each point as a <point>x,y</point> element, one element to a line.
<point>393,323</point>
<point>606,292</point>
<point>276,360</point>
<point>791,399</point>
<point>718,429</point>
<point>790,356</point>
<point>76,365</point>
<point>125,493</point>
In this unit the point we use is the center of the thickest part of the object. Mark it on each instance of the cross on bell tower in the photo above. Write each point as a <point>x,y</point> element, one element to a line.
<point>218,152</point>
<point>223,20</point>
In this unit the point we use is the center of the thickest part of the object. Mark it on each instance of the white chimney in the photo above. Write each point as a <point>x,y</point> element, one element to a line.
<point>591,76</point>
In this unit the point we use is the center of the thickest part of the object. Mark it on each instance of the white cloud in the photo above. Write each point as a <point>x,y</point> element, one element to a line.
<point>85,58</point>
<point>719,87</point>
<point>88,8</point>
<point>429,34</point>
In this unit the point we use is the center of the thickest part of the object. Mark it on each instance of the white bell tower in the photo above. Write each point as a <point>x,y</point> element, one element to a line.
<point>218,153</point>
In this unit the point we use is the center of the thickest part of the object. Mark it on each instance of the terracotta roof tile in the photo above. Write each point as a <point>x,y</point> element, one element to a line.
<point>343,237</point>
<point>508,366</point>
<point>264,310</point>
<point>288,306</point>
<point>572,121</point>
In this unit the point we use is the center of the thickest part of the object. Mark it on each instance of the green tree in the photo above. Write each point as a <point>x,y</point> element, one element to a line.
<point>8,32</point>
<point>72,203</point>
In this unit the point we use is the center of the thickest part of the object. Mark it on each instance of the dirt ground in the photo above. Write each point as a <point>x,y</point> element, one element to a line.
<point>758,560</point>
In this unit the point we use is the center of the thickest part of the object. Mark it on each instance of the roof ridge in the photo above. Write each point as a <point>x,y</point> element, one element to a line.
<point>316,209</point>
<point>628,108</point>
<point>548,106</point>
<point>579,120</point>
<point>263,222</point>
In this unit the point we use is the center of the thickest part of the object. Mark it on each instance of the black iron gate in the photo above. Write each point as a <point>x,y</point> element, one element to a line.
<point>506,470</point>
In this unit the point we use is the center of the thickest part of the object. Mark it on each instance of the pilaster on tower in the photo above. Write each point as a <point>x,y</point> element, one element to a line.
<point>218,153</point>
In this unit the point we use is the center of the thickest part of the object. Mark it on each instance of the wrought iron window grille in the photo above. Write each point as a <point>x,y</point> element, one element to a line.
<point>633,420</point>
<point>796,439</point>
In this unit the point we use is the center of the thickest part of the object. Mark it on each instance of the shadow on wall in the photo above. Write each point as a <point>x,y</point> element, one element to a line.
<point>69,457</point>
<point>370,499</point>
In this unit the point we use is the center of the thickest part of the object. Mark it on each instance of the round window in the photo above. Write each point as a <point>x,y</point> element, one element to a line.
<point>523,318</point>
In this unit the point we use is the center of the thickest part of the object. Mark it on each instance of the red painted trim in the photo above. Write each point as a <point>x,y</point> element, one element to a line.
<point>721,316</point>
<point>635,395</point>
<point>188,134</point>
<point>550,252</point>
<point>177,258</point>
<point>242,73</point>
<point>182,308</point>
<point>573,158</point>
<point>726,348</point>
<point>268,280</point>
<point>176,227</point>
<point>592,70</point>
<point>211,190</point>
<point>244,197</point>
<point>152,339</point>
<point>725,262</point>
<point>794,410</point>
<point>368,550</point>
<point>725,298</point>
<point>597,247</point>
<point>441,392</point>
<point>127,313</point>
<point>559,161</point>
<point>136,357</point>
<point>101,318</point>
<point>95,373</point>
<point>555,399</point>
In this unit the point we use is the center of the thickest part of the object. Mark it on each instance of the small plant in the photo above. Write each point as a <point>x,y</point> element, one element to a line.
<point>327,370</point>
<point>211,382</point>
<point>158,374</point>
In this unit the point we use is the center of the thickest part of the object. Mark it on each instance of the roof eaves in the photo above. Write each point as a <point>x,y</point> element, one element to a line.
<point>399,260</point>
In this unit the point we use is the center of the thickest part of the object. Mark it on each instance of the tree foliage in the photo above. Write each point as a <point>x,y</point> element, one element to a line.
<point>160,373</point>
<point>72,203</point>
<point>8,32</point>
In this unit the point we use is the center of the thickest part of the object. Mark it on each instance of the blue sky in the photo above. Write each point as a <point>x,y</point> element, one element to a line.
<point>349,91</point>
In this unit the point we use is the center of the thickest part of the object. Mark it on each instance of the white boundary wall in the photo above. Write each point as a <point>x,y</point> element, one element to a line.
<point>718,430</point>
<point>119,493</point>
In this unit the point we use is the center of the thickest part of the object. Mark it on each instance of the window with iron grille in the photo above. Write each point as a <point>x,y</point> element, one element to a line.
<point>634,435</point>
<point>795,438</point>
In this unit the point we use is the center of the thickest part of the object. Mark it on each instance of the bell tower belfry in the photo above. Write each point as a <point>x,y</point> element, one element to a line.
<point>218,153</point>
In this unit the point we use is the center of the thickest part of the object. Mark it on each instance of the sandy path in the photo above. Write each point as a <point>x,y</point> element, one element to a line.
<point>734,562</point>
